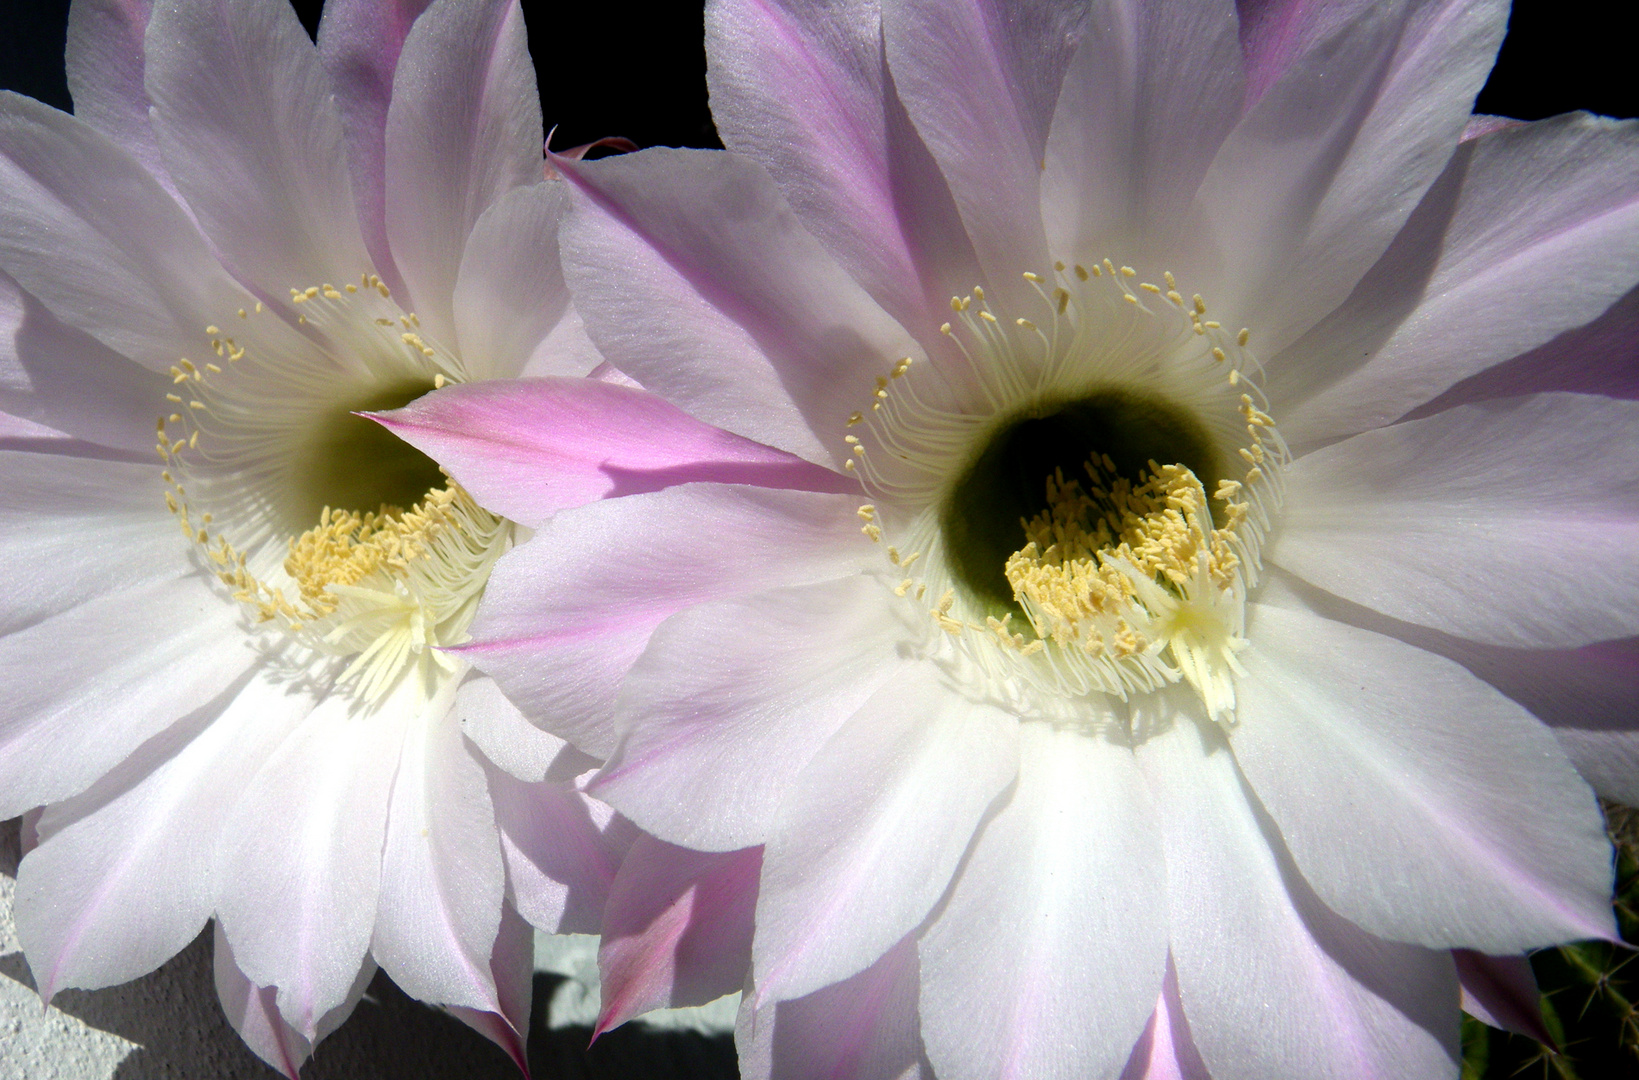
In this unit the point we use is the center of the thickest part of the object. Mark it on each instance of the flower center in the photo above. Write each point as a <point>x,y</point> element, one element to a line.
<point>1060,514</point>
<point>323,523</point>
<point>1004,484</point>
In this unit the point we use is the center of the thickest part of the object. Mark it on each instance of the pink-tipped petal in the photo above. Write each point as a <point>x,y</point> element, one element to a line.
<point>695,278</point>
<point>528,448</point>
<point>359,43</point>
<point>301,865</point>
<point>104,63</point>
<point>249,131</point>
<point>512,967</point>
<point>802,88</point>
<point>463,129</point>
<point>442,878</point>
<point>873,828</point>
<point>1463,286</point>
<point>979,79</point>
<point>1150,95</point>
<point>1482,834</point>
<point>1315,181</point>
<point>126,873</point>
<point>254,1013</point>
<point>1510,523</point>
<point>863,1028</point>
<point>1056,921</point>
<point>1165,1051</point>
<point>677,928</point>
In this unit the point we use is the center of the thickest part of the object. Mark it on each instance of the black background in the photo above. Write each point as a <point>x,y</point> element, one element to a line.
<point>615,67</point>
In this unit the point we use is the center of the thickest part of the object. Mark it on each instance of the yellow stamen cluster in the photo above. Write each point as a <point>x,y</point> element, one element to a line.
<point>1074,575</point>
<point>346,547</point>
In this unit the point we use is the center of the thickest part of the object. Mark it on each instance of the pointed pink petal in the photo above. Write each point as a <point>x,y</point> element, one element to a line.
<point>696,279</point>
<point>104,64</point>
<point>562,849</point>
<point>528,448</point>
<point>677,928</point>
<point>1502,991</point>
<point>1461,289</point>
<point>254,1013</point>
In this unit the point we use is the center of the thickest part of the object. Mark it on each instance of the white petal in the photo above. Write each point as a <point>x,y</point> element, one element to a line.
<point>705,702</point>
<point>93,235</point>
<point>1273,983</point>
<point>1511,522</point>
<point>863,1028</point>
<point>84,528</point>
<point>1585,695</point>
<point>509,294</point>
<point>1314,183</point>
<point>697,280</point>
<point>104,64</point>
<point>1057,921</point>
<point>873,829</point>
<point>512,965</point>
<point>301,868</point>
<point>66,379</point>
<point>1420,803</point>
<point>567,614</point>
<point>1530,231</point>
<point>507,739</point>
<point>1147,100</point>
<point>360,42</point>
<point>126,873</point>
<point>441,873</point>
<point>464,128</point>
<point>254,1011</point>
<point>250,134</point>
<point>87,687</point>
